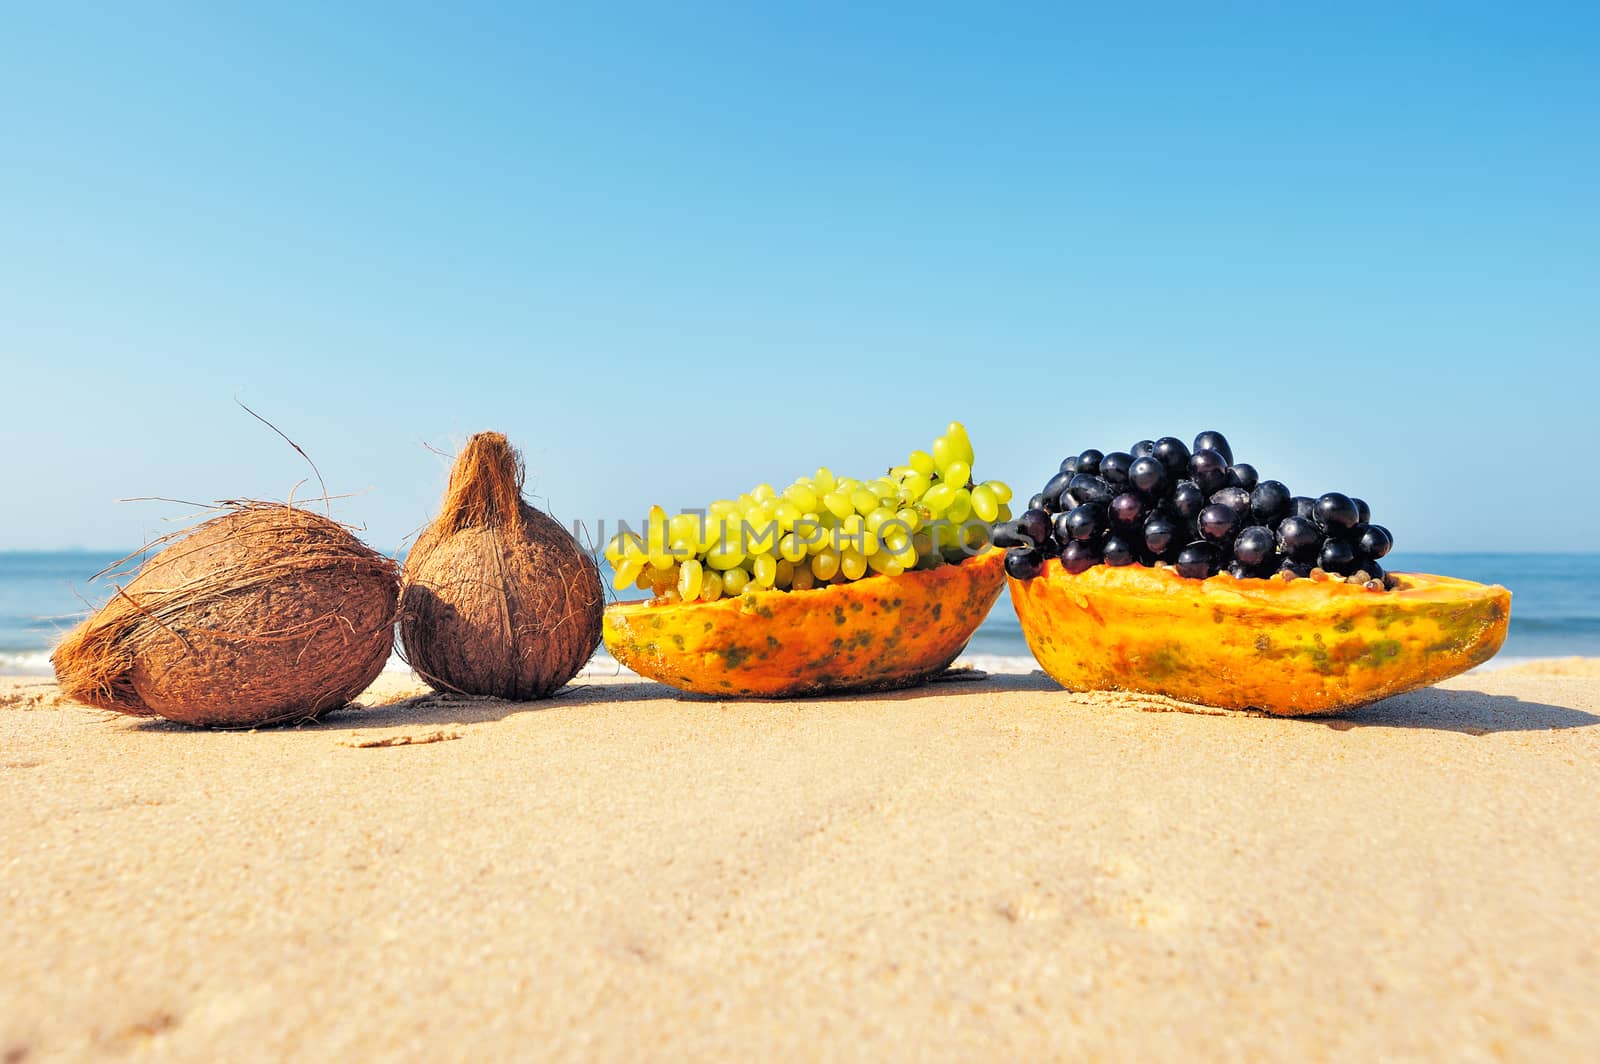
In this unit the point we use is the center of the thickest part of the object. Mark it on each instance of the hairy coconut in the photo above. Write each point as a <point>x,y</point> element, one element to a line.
<point>264,615</point>
<point>497,598</point>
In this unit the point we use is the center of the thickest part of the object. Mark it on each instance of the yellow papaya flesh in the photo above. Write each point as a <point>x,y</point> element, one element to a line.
<point>1292,648</point>
<point>876,633</point>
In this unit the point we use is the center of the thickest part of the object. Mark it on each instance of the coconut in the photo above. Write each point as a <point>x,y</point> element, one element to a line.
<point>497,598</point>
<point>263,615</point>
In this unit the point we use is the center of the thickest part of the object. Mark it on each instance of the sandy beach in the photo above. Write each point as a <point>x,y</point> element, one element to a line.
<point>968,869</point>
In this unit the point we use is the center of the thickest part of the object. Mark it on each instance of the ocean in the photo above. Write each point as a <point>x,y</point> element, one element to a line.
<point>1555,607</point>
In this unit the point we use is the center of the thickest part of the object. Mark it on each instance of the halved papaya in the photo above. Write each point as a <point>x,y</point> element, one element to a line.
<point>1292,648</point>
<point>877,633</point>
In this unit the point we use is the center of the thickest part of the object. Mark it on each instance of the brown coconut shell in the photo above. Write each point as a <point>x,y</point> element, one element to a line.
<point>497,598</point>
<point>264,615</point>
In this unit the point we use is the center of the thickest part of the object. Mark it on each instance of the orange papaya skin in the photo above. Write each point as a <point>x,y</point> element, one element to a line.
<point>877,633</point>
<point>1296,648</point>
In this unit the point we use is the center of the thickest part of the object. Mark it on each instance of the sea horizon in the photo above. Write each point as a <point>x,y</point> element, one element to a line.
<point>1555,606</point>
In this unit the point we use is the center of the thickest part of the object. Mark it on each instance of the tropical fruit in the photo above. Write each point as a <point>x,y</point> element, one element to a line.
<point>1174,570</point>
<point>833,583</point>
<point>264,615</point>
<point>498,599</point>
<point>874,633</point>
<point>819,530</point>
<point>1291,647</point>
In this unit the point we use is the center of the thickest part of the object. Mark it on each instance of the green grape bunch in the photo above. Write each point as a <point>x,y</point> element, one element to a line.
<point>819,530</point>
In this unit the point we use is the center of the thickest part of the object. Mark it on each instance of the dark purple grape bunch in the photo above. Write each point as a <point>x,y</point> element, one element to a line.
<point>1194,509</point>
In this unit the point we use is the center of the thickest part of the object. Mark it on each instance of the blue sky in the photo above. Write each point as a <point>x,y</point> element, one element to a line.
<point>674,250</point>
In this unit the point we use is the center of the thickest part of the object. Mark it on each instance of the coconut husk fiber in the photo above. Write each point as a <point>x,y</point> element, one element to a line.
<point>498,599</point>
<point>264,615</point>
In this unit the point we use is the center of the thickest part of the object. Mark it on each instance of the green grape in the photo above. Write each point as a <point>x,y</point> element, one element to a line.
<point>720,533</point>
<point>790,549</point>
<point>877,517</point>
<point>825,564</point>
<point>818,529</point>
<point>734,581</point>
<point>655,538</point>
<point>765,569</point>
<point>906,555</point>
<point>939,498</point>
<point>628,570</point>
<point>811,534</point>
<point>625,545</point>
<point>885,564</point>
<point>851,531</point>
<point>914,487</point>
<point>761,536</point>
<point>690,576</point>
<point>802,496</point>
<point>852,563</point>
<point>787,514</point>
<point>685,527</point>
<point>956,433</point>
<point>984,504</point>
<point>725,560</point>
